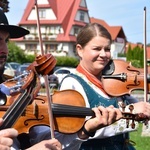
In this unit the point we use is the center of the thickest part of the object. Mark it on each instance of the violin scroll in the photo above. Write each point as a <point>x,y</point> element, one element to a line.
<point>44,64</point>
<point>134,117</point>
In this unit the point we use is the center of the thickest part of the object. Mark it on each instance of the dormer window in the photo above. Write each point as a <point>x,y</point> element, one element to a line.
<point>42,13</point>
<point>82,16</point>
<point>76,30</point>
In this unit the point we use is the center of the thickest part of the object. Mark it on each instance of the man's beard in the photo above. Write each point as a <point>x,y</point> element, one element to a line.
<point>3,59</point>
<point>2,71</point>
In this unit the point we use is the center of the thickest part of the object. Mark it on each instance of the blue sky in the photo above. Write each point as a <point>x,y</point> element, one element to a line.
<point>128,13</point>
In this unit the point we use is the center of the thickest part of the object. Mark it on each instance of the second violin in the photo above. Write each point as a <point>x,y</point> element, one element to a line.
<point>124,78</point>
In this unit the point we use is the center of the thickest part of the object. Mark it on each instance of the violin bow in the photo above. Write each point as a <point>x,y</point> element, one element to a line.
<point>145,61</point>
<point>46,76</point>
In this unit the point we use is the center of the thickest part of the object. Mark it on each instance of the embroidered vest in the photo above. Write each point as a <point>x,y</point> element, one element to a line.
<point>95,99</point>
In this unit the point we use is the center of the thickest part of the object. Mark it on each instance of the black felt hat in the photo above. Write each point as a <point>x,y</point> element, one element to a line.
<point>14,31</point>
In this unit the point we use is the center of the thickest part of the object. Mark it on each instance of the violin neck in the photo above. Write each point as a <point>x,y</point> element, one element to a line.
<point>67,110</point>
<point>18,107</point>
<point>15,110</point>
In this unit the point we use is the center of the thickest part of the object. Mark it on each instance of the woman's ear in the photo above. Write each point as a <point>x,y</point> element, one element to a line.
<point>79,50</point>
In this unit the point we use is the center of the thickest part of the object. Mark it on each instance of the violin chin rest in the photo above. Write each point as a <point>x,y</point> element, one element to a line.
<point>109,68</point>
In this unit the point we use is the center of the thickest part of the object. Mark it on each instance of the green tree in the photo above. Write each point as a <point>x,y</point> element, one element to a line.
<point>30,58</point>
<point>129,54</point>
<point>16,54</point>
<point>67,61</point>
<point>136,56</point>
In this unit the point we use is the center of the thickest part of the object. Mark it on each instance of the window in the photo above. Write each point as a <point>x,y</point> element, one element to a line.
<point>76,30</point>
<point>42,13</point>
<point>120,40</point>
<point>31,46</point>
<point>50,47</point>
<point>81,16</point>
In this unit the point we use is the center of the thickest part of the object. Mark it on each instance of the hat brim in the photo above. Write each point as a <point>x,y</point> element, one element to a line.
<point>14,31</point>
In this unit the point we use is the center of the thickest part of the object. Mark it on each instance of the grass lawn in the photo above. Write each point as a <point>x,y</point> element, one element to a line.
<point>142,143</point>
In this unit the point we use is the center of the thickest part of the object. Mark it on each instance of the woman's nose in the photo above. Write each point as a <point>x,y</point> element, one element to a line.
<point>102,53</point>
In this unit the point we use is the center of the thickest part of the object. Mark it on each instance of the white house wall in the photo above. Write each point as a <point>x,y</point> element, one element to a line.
<point>116,48</point>
<point>49,15</point>
<point>70,49</point>
<point>44,30</point>
<point>21,45</point>
<point>42,2</point>
<point>64,49</point>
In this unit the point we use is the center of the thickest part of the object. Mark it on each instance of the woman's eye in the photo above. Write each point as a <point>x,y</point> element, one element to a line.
<point>98,48</point>
<point>107,49</point>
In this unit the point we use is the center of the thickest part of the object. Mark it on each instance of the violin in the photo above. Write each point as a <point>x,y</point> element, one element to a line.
<point>67,106</point>
<point>124,78</point>
<point>69,113</point>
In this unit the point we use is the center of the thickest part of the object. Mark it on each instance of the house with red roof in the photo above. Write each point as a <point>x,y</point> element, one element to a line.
<point>60,22</point>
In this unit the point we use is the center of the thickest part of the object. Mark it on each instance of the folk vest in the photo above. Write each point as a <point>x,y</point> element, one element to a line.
<point>95,99</point>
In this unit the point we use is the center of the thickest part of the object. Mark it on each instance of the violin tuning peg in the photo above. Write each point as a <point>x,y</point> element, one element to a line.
<point>132,124</point>
<point>127,123</point>
<point>131,108</point>
<point>123,106</point>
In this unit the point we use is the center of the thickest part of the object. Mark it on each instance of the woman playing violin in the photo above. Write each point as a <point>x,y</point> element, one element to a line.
<point>93,47</point>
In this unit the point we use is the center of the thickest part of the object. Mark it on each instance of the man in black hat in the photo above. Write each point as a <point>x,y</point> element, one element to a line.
<point>7,135</point>
<point>7,31</point>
